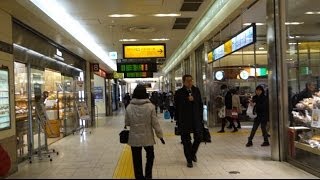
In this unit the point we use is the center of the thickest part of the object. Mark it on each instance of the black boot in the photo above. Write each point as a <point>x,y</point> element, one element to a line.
<point>265,143</point>
<point>249,144</point>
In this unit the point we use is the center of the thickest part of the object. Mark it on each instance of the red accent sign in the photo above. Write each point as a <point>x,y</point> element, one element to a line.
<point>5,162</point>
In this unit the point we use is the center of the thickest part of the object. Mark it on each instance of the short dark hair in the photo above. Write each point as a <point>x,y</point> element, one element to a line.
<point>140,92</point>
<point>260,88</point>
<point>223,86</point>
<point>185,77</point>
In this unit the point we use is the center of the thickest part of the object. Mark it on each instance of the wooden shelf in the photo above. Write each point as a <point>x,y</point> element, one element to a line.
<point>306,147</point>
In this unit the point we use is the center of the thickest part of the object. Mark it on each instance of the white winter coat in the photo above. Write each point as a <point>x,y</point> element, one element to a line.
<point>142,119</point>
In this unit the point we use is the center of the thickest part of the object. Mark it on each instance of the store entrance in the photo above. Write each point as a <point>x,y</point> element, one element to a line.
<point>59,96</point>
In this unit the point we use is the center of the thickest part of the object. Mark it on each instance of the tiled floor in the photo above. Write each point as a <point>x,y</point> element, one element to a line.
<point>96,155</point>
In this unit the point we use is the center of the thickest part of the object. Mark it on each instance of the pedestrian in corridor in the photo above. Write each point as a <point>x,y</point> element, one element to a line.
<point>260,101</point>
<point>189,115</point>
<point>142,119</point>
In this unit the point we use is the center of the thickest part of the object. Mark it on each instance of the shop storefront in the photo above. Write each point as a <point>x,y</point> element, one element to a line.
<point>237,57</point>
<point>300,83</point>
<point>57,73</point>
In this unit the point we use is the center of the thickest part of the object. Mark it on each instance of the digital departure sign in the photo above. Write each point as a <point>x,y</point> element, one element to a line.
<point>138,75</point>
<point>136,67</point>
<point>243,39</point>
<point>142,51</point>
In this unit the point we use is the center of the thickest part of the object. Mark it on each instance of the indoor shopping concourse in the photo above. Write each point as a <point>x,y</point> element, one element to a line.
<point>100,155</point>
<point>142,89</point>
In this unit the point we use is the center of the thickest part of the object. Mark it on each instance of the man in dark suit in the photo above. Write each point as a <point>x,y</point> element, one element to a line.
<point>189,116</point>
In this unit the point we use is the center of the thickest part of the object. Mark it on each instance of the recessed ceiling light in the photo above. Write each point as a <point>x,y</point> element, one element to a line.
<point>167,15</point>
<point>161,39</point>
<point>294,23</point>
<point>128,40</point>
<point>257,24</point>
<point>122,15</point>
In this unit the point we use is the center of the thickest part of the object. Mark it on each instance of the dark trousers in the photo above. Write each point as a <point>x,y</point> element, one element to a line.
<point>171,111</point>
<point>257,122</point>
<point>190,149</point>
<point>137,162</point>
<point>224,121</point>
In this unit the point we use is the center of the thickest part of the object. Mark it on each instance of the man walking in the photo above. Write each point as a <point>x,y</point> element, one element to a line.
<point>189,116</point>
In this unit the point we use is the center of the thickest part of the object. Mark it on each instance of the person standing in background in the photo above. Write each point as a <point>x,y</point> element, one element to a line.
<point>189,115</point>
<point>155,100</point>
<point>141,117</point>
<point>170,104</point>
<point>126,100</point>
<point>228,105</point>
<point>236,105</point>
<point>260,101</point>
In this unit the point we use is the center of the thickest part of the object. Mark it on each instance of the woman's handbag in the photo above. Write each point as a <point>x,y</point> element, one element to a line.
<point>124,136</point>
<point>250,112</point>
<point>234,113</point>
<point>222,112</point>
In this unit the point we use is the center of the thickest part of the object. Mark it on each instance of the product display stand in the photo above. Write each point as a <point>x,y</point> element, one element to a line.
<point>84,117</point>
<point>42,121</point>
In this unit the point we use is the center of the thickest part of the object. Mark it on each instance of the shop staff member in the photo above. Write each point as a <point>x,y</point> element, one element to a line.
<point>189,110</point>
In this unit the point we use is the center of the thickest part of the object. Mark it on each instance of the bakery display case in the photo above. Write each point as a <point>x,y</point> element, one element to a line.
<point>5,120</point>
<point>304,134</point>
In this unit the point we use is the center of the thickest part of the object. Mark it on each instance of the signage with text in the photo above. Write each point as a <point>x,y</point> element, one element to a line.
<point>141,51</point>
<point>136,67</point>
<point>138,75</point>
<point>243,39</point>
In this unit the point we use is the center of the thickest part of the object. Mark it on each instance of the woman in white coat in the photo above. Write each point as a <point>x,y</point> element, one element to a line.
<point>142,118</point>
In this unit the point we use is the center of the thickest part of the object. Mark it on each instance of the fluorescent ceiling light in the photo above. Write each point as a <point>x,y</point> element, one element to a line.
<point>294,23</point>
<point>122,15</point>
<point>128,40</point>
<point>312,12</point>
<point>167,15</point>
<point>257,24</point>
<point>293,43</point>
<point>57,12</point>
<point>261,48</point>
<point>161,39</point>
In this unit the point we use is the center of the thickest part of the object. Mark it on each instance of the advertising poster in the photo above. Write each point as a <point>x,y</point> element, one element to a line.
<point>98,93</point>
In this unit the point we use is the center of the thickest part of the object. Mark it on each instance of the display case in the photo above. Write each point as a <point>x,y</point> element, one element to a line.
<point>304,134</point>
<point>5,120</point>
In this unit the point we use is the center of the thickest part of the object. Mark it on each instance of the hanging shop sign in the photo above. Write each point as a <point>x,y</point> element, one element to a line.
<point>138,75</point>
<point>113,55</point>
<point>95,67</point>
<point>244,75</point>
<point>241,40</point>
<point>210,57</point>
<point>117,75</point>
<point>219,75</point>
<point>142,51</point>
<point>136,67</point>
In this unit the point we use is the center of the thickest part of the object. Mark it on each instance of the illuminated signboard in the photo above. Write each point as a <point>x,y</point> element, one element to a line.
<point>136,67</point>
<point>210,57</point>
<point>239,41</point>
<point>140,51</point>
<point>138,75</point>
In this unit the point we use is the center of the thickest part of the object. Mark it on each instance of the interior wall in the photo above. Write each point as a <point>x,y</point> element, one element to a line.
<point>8,137</point>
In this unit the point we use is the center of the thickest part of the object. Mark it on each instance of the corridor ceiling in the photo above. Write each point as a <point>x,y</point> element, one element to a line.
<point>107,31</point>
